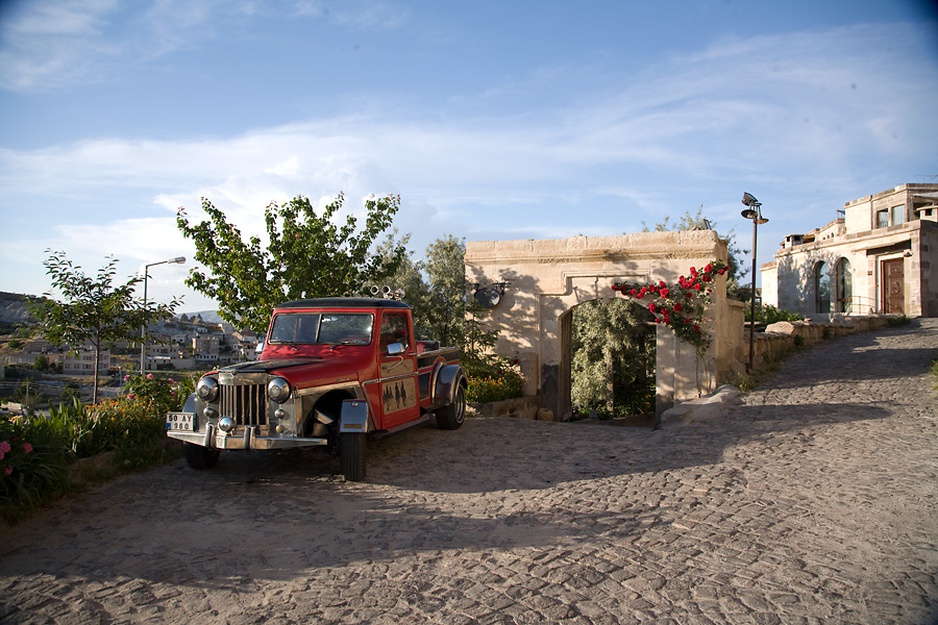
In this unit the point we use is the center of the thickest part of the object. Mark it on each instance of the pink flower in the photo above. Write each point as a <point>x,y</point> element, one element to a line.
<point>7,470</point>
<point>171,381</point>
<point>5,448</point>
<point>150,376</point>
<point>127,378</point>
<point>130,396</point>
<point>664,291</point>
<point>652,307</point>
<point>27,448</point>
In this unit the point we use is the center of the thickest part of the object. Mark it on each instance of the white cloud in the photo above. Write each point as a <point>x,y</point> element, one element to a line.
<point>778,113</point>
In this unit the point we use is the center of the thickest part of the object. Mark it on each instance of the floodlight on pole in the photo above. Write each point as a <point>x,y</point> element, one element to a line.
<point>179,260</point>
<point>753,211</point>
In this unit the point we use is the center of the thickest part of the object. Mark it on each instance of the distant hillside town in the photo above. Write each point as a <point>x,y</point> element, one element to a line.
<point>188,342</point>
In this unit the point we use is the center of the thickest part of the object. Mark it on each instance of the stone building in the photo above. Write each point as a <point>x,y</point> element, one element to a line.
<point>82,362</point>
<point>531,287</point>
<point>879,257</point>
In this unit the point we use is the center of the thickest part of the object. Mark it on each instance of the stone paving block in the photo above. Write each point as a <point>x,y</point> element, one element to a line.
<point>811,500</point>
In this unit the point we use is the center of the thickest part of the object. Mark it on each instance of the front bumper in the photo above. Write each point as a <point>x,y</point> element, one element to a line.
<point>245,437</point>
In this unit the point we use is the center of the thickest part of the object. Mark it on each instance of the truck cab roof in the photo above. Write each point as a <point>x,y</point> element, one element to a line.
<point>343,302</point>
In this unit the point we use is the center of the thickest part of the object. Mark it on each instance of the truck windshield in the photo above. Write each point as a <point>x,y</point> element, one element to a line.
<point>322,328</point>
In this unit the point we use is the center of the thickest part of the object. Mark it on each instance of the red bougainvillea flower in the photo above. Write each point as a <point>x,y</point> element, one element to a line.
<point>681,306</point>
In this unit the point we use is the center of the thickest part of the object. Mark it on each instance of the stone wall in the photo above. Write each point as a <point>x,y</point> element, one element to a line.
<point>780,338</point>
<point>546,279</point>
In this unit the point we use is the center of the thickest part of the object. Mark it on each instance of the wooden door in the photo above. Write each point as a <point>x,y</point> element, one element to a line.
<point>893,286</point>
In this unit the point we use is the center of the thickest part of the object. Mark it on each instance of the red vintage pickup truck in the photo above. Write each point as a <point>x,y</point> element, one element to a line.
<point>332,372</point>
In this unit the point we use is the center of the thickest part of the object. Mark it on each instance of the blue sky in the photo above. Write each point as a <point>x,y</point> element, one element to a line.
<point>492,120</point>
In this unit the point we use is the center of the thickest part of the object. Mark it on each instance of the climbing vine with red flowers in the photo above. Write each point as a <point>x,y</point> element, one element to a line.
<point>683,306</point>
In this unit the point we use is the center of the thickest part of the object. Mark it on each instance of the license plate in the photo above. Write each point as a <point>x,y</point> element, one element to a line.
<point>184,421</point>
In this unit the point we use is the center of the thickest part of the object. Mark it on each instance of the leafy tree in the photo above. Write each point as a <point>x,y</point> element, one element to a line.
<point>446,280</point>
<point>613,357</point>
<point>408,277</point>
<point>435,288</point>
<point>95,310</point>
<point>308,255</point>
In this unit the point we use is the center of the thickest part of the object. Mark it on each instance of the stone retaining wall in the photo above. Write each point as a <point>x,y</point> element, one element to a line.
<point>780,338</point>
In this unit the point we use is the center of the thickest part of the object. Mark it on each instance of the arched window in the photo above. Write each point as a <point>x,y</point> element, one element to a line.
<point>822,288</point>
<point>844,286</point>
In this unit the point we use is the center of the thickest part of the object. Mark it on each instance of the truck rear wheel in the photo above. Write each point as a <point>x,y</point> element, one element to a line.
<point>352,456</point>
<point>451,417</point>
<point>200,457</point>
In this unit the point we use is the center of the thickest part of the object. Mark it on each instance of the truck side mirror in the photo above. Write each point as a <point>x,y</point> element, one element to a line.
<point>395,349</point>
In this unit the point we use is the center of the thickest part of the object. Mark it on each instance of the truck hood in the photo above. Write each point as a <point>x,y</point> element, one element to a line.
<point>266,366</point>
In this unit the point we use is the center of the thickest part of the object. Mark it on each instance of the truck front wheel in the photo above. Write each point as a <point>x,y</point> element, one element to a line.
<point>352,455</point>
<point>200,457</point>
<point>451,417</point>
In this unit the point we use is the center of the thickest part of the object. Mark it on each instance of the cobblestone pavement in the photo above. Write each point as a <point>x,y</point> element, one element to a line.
<point>814,501</point>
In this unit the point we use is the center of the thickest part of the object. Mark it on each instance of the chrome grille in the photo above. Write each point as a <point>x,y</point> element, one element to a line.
<point>245,403</point>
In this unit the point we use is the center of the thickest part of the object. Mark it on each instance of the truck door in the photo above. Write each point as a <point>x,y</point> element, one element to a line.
<point>398,370</point>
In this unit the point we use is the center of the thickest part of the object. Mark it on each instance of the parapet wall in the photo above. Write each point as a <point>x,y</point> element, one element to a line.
<point>780,338</point>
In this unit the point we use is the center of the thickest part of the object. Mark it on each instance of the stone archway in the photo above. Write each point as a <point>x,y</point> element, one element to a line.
<point>544,279</point>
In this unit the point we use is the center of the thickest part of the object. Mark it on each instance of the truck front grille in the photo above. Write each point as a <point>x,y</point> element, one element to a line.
<point>245,403</point>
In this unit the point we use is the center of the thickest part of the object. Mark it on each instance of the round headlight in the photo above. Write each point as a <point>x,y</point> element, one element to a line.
<point>278,390</point>
<point>207,389</point>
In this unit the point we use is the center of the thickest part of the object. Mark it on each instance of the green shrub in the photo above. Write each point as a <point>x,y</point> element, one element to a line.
<point>33,464</point>
<point>769,314</point>
<point>35,452</point>
<point>487,388</point>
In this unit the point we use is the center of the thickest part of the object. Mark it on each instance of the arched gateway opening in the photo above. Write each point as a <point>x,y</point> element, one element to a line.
<point>543,280</point>
<point>608,347</point>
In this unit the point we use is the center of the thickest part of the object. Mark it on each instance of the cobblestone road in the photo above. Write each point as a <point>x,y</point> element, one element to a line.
<point>814,501</point>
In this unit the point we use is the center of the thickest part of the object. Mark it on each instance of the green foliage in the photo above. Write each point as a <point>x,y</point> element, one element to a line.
<point>33,463</point>
<point>94,310</point>
<point>163,394</point>
<point>308,255</point>
<point>613,358</point>
<point>895,321</point>
<point>134,428</point>
<point>769,314</point>
<point>507,384</point>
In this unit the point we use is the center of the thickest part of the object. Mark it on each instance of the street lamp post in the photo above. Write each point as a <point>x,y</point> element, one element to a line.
<point>179,260</point>
<point>753,212</point>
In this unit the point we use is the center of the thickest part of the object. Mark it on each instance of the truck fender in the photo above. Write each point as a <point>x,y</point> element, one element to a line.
<point>189,406</point>
<point>449,378</point>
<point>354,417</point>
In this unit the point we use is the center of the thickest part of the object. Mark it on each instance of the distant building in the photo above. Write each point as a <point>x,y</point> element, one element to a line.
<point>880,257</point>
<point>82,362</point>
<point>205,348</point>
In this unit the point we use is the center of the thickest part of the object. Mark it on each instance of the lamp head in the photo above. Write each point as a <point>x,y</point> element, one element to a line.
<point>750,200</point>
<point>749,213</point>
<point>179,260</point>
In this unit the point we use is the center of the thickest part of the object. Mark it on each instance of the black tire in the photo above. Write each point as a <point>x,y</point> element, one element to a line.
<point>452,416</point>
<point>352,456</point>
<point>200,458</point>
